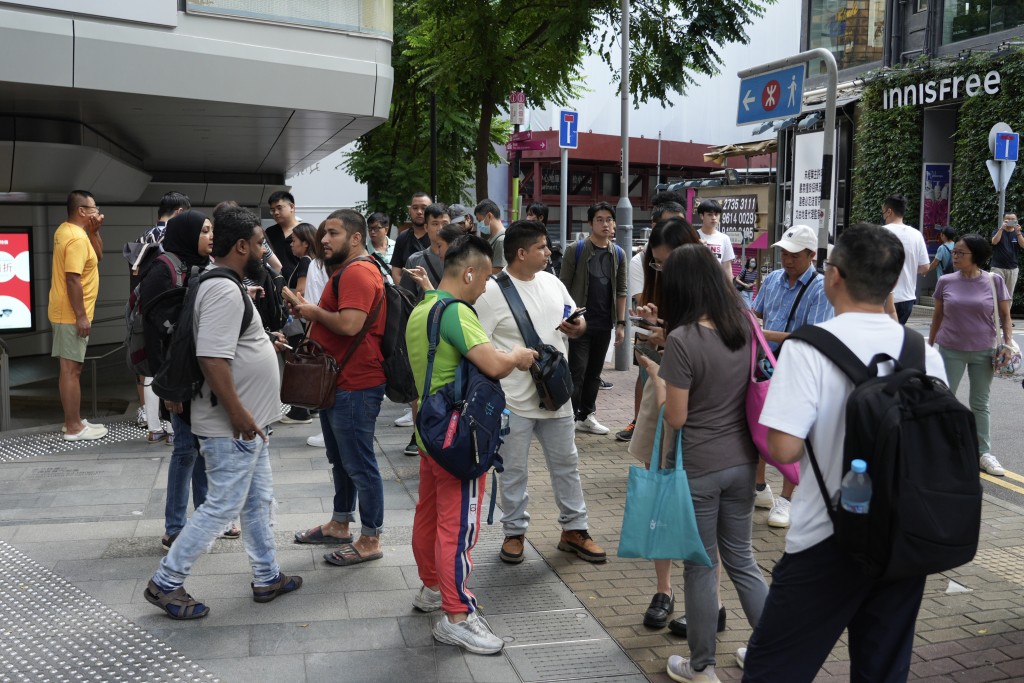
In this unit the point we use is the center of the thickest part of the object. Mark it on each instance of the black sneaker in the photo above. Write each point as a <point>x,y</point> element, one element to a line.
<point>412,449</point>
<point>678,626</point>
<point>606,385</point>
<point>167,541</point>
<point>627,433</point>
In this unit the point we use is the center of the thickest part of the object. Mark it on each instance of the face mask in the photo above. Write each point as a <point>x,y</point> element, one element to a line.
<point>484,227</point>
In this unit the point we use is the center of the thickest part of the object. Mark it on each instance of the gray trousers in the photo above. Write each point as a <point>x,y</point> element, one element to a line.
<point>724,504</point>
<point>557,437</point>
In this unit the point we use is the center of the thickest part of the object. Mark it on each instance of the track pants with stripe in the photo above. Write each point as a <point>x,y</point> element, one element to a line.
<point>444,532</point>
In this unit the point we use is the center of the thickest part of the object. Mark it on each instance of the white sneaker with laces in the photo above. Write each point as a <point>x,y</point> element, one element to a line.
<point>316,441</point>
<point>741,657</point>
<point>473,634</point>
<point>991,465</point>
<point>427,600</point>
<point>405,420</point>
<point>764,499</point>
<point>679,669</point>
<point>779,516</point>
<point>591,425</point>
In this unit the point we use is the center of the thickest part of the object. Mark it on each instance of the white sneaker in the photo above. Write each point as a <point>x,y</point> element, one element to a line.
<point>779,516</point>
<point>679,669</point>
<point>316,441</point>
<point>89,432</point>
<point>591,425</point>
<point>991,466</point>
<point>473,635</point>
<point>140,417</point>
<point>64,430</point>
<point>764,499</point>
<point>741,656</point>
<point>405,420</point>
<point>427,600</point>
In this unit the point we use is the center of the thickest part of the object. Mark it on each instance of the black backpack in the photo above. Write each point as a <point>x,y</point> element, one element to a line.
<point>180,379</point>
<point>270,303</point>
<point>138,319</point>
<point>921,447</point>
<point>400,386</point>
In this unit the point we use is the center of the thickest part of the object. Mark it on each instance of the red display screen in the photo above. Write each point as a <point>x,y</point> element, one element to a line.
<point>16,310</point>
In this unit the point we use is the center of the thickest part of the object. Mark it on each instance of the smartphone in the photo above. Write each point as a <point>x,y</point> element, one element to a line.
<point>576,315</point>
<point>649,351</point>
<point>290,296</point>
<point>642,331</point>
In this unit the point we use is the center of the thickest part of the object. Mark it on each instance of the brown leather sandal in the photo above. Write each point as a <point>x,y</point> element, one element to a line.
<point>177,604</point>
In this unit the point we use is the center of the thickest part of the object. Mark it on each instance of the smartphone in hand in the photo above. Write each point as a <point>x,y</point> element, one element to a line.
<point>576,315</point>
<point>290,296</point>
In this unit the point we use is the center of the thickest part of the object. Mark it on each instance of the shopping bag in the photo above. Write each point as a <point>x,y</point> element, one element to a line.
<point>757,392</point>
<point>659,522</point>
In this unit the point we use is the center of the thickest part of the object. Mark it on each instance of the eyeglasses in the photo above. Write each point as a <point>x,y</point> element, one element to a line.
<point>829,265</point>
<point>91,208</point>
<point>375,228</point>
<point>958,252</point>
<point>655,265</point>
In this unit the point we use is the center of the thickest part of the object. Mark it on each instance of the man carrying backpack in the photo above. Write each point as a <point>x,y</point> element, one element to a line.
<point>240,398</point>
<point>447,519</point>
<point>817,591</point>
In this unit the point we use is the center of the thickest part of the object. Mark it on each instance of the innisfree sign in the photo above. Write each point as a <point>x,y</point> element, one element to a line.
<point>949,88</point>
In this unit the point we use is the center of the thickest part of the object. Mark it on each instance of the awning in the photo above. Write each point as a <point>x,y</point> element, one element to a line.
<point>760,243</point>
<point>719,154</point>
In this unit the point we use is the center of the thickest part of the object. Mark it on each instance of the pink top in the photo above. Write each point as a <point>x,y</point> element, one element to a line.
<point>967,308</point>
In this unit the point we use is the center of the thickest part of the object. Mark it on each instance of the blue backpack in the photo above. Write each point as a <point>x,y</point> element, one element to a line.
<point>460,425</point>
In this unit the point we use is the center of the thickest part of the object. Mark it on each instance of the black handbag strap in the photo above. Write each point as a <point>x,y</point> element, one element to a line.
<point>370,319</point>
<point>799,296</point>
<point>519,312</point>
<point>432,269</point>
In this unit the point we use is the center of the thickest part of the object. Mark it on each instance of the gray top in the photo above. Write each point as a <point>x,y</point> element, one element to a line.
<point>218,315</point>
<point>427,259</point>
<point>715,435</point>
<point>498,245</point>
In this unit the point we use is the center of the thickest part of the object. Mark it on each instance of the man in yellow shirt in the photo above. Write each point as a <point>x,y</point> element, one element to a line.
<point>74,284</point>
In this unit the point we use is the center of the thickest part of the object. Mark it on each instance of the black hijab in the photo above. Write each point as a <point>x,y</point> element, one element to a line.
<point>182,238</point>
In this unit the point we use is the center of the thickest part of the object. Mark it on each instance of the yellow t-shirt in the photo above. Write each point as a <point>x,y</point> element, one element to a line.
<point>72,253</point>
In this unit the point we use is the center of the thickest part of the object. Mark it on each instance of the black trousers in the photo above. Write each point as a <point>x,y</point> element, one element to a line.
<point>814,595</point>
<point>586,360</point>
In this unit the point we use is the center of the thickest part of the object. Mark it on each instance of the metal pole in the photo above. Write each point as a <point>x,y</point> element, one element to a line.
<point>1002,196</point>
<point>433,148</point>
<point>563,208</point>
<point>830,130</point>
<point>516,159</point>
<point>5,388</point>
<point>624,209</point>
<point>658,172</point>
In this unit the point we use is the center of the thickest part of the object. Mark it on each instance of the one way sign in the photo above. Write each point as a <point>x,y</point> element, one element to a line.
<point>774,95</point>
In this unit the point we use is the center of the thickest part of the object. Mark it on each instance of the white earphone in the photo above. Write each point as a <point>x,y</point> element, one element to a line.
<point>469,277</point>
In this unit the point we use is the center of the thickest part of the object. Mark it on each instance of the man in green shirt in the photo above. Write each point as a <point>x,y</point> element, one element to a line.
<point>447,518</point>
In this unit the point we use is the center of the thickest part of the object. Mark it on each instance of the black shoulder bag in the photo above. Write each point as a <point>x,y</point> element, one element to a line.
<point>551,370</point>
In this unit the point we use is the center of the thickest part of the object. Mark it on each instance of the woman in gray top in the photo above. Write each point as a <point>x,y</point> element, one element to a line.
<point>702,382</point>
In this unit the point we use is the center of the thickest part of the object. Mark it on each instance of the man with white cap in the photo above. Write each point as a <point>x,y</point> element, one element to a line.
<point>789,298</point>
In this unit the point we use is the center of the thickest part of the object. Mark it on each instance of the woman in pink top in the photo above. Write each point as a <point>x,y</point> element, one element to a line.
<point>963,326</point>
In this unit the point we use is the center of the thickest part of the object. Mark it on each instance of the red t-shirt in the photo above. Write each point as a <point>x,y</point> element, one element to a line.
<point>361,287</point>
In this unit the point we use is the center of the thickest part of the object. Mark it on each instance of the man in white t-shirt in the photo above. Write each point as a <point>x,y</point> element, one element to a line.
<point>547,302</point>
<point>816,591</point>
<point>710,212</point>
<point>916,255</point>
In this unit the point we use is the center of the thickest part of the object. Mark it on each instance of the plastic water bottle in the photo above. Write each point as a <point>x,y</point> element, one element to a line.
<point>504,422</point>
<point>856,489</point>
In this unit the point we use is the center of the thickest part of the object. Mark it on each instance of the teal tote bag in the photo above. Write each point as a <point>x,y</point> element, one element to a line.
<point>659,522</point>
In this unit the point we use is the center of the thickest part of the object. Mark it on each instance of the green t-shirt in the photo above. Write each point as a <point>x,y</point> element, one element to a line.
<point>460,331</point>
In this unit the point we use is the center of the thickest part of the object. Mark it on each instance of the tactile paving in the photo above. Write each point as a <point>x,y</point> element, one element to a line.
<point>561,626</point>
<point>593,659</point>
<point>1006,562</point>
<point>31,445</point>
<point>50,630</point>
<point>516,599</point>
<point>501,574</point>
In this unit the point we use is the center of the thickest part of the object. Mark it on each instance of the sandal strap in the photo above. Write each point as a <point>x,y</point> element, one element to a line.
<point>186,605</point>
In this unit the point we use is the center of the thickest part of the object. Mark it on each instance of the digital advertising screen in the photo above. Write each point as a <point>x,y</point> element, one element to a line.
<point>16,310</point>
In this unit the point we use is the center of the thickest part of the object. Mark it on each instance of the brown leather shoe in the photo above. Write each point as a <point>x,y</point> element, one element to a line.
<point>580,542</point>
<point>512,549</point>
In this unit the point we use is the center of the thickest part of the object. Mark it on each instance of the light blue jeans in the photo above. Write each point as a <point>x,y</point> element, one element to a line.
<point>557,437</point>
<point>240,481</point>
<point>186,466</point>
<point>978,365</point>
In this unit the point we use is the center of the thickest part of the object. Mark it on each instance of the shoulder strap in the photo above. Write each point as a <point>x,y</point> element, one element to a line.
<point>519,312</point>
<point>800,295</point>
<point>836,351</point>
<point>912,353</point>
<point>434,336</point>
<point>579,250</point>
<point>336,278</point>
<point>433,271</point>
<point>229,274</point>
<point>621,254</point>
<point>370,319</point>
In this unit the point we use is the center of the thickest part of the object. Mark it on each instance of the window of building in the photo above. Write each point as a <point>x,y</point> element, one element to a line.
<point>965,19</point>
<point>920,6</point>
<point>853,30</point>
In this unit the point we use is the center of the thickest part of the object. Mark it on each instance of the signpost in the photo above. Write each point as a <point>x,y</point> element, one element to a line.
<point>517,117</point>
<point>568,138</point>
<point>1004,144</point>
<point>765,96</point>
<point>526,146</point>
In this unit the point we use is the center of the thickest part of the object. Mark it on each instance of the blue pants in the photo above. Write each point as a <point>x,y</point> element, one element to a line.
<point>186,466</point>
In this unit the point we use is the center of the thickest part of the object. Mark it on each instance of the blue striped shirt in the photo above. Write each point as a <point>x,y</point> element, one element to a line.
<point>776,296</point>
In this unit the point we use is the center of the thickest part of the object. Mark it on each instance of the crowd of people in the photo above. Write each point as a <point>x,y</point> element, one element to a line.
<point>695,318</point>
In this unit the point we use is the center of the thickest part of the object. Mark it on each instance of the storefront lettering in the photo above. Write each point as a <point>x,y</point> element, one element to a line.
<point>953,88</point>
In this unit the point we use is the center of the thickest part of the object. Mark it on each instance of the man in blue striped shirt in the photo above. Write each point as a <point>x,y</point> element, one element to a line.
<point>789,298</point>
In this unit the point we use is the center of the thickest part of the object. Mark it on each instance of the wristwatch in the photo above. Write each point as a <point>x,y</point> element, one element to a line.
<point>621,323</point>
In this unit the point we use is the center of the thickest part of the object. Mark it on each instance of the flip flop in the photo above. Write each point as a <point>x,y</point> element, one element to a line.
<point>348,554</point>
<point>317,536</point>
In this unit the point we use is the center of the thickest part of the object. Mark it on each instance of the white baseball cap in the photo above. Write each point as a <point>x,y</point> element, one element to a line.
<point>798,238</point>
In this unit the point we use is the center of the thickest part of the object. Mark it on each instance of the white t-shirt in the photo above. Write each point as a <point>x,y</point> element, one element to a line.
<point>808,397</point>
<point>915,255</point>
<point>316,280</point>
<point>636,274</point>
<point>545,299</point>
<point>719,244</point>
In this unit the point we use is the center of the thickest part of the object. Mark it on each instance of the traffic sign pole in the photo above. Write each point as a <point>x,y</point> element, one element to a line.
<point>624,209</point>
<point>1004,145</point>
<point>563,207</point>
<point>830,130</point>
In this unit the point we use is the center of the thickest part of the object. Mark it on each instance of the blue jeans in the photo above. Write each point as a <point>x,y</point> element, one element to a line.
<point>240,482</point>
<point>903,310</point>
<point>348,436</point>
<point>186,465</point>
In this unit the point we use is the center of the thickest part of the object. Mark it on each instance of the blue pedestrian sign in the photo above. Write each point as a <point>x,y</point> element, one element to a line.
<point>568,129</point>
<point>1007,147</point>
<point>774,95</point>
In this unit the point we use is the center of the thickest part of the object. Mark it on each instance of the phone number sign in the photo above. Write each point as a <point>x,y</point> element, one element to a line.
<point>739,217</point>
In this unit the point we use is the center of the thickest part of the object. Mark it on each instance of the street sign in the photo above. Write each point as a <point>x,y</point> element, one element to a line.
<point>526,146</point>
<point>773,95</point>
<point>568,129</point>
<point>517,108</point>
<point>1007,146</point>
<point>521,136</point>
<point>1001,172</point>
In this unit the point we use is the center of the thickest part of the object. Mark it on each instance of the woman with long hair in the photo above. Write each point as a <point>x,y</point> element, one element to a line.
<point>964,328</point>
<point>305,247</point>
<point>702,383</point>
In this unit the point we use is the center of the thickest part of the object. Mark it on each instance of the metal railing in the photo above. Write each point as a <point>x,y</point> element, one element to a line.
<point>5,388</point>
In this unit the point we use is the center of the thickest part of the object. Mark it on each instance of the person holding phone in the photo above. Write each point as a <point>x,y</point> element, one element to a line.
<point>1007,242</point>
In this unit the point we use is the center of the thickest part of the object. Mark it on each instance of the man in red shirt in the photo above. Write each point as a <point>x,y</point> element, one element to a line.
<point>349,324</point>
